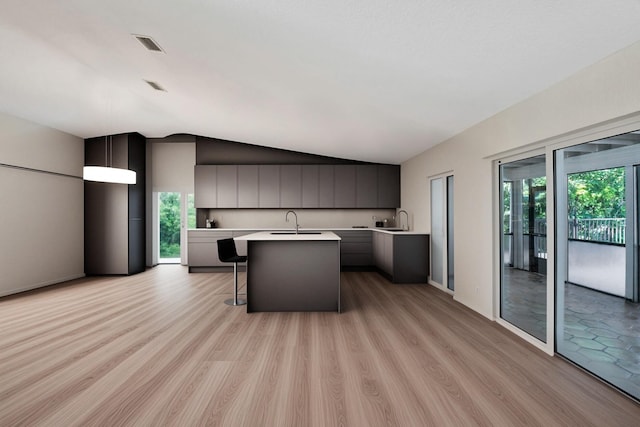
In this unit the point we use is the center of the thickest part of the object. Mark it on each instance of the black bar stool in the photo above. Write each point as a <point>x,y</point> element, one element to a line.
<point>227,253</point>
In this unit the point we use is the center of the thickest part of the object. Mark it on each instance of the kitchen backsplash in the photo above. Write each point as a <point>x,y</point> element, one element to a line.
<point>307,218</point>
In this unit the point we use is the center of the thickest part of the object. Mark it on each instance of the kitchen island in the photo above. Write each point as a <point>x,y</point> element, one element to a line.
<point>293,272</point>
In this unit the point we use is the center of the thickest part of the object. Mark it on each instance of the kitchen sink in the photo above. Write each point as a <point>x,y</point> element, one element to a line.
<point>293,232</point>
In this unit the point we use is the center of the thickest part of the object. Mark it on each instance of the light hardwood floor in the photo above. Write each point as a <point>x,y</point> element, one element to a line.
<point>161,348</point>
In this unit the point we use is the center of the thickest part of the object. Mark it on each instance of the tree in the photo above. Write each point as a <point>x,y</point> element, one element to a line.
<point>169,225</point>
<point>597,194</point>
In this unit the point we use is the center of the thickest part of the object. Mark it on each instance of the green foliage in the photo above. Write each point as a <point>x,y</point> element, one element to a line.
<point>539,186</point>
<point>169,225</point>
<point>597,194</point>
<point>169,250</point>
<point>506,206</point>
<point>191,211</point>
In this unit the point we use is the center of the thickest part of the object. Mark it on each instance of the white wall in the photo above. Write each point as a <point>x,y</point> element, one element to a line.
<point>41,214</point>
<point>606,91</point>
<point>172,166</point>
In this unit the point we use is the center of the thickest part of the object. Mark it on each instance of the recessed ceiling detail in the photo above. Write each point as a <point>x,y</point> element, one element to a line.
<point>156,86</point>
<point>149,43</point>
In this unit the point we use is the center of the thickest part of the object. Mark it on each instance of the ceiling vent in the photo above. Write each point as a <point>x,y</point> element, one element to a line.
<point>149,43</point>
<point>155,85</point>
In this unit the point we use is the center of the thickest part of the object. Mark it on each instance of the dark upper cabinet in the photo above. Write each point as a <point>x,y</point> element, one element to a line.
<point>326,186</point>
<point>227,182</point>
<point>310,186</point>
<point>366,186</point>
<point>269,186</point>
<point>297,186</point>
<point>344,186</point>
<point>247,186</point>
<point>290,186</point>
<point>206,186</point>
<point>388,186</point>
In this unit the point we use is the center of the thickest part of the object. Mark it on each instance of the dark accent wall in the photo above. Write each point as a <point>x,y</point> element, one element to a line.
<point>212,151</point>
<point>115,225</point>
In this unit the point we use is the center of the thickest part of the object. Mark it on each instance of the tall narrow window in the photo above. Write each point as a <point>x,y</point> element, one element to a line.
<point>437,231</point>
<point>442,251</point>
<point>450,250</point>
<point>523,284</point>
<point>169,208</point>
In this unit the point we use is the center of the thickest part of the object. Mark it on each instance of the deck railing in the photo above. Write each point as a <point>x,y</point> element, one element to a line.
<point>595,230</point>
<point>603,230</point>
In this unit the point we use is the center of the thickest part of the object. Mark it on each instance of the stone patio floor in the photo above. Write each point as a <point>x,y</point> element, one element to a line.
<point>601,332</point>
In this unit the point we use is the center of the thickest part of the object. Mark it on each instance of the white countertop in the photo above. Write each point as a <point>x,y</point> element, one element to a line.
<point>399,232</point>
<point>381,230</point>
<point>269,235</point>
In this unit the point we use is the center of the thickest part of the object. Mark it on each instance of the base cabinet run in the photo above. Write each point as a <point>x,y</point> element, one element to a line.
<point>355,248</point>
<point>402,258</point>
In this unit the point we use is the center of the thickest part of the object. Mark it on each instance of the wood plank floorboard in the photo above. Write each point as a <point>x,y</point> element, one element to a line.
<point>161,348</point>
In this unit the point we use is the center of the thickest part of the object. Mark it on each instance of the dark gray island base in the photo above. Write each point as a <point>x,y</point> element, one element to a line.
<point>293,272</point>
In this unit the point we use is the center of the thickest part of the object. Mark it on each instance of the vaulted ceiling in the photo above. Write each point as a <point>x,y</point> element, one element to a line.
<point>373,80</point>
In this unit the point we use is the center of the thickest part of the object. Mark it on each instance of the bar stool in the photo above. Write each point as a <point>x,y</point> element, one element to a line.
<point>227,253</point>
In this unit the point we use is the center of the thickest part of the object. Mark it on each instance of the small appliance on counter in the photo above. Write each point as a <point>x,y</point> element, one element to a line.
<point>210,223</point>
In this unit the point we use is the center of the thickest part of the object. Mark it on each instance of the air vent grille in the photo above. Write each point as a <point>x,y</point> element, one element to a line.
<point>149,43</point>
<point>155,85</point>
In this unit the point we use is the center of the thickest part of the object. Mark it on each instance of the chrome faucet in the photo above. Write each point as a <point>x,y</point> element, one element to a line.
<point>406,214</point>
<point>286,218</point>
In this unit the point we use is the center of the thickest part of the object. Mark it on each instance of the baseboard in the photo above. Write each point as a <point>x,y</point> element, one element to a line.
<point>41,285</point>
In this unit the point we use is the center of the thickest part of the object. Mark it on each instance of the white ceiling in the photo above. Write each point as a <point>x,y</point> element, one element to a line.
<point>374,80</point>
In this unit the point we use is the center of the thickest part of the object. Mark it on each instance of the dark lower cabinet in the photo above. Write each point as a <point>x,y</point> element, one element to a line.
<point>402,258</point>
<point>114,214</point>
<point>355,249</point>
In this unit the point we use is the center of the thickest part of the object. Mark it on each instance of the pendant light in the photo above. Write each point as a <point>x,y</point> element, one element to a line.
<point>108,173</point>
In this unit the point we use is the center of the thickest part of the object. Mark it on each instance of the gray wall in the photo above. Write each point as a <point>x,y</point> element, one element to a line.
<point>42,215</point>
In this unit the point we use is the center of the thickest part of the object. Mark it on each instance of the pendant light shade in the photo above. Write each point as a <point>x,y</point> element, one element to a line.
<point>108,174</point>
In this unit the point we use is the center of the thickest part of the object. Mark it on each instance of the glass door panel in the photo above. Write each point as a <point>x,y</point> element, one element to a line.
<point>523,283</point>
<point>437,231</point>
<point>597,314</point>
<point>450,251</point>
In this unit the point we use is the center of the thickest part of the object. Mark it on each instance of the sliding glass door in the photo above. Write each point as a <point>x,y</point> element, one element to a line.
<point>523,283</point>
<point>597,310</point>
<point>442,250</point>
